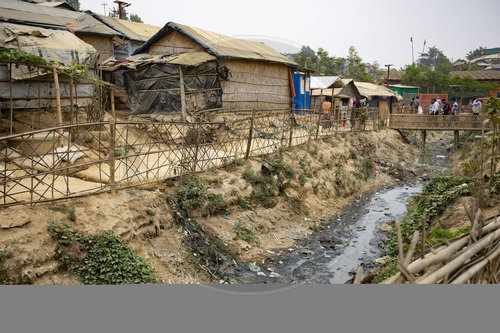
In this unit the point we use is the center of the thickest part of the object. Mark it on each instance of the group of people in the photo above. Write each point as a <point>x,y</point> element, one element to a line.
<point>441,106</point>
<point>447,108</point>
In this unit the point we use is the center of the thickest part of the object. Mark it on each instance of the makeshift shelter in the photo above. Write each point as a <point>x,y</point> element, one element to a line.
<point>83,25</point>
<point>343,90</point>
<point>246,75</point>
<point>133,34</point>
<point>378,96</point>
<point>32,87</point>
<point>302,91</point>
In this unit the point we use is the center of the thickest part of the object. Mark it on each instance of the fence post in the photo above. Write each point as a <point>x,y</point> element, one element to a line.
<point>250,135</point>
<point>112,97</point>
<point>198,135</point>
<point>318,123</point>
<point>11,117</point>
<point>111,156</point>
<point>291,127</point>
<point>58,97</point>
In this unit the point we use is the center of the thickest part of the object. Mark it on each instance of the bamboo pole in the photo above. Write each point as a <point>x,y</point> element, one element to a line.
<point>359,275</point>
<point>112,156</point>
<point>183,96</point>
<point>435,258</point>
<point>58,97</point>
<point>462,258</point>
<point>198,136</point>
<point>112,96</point>
<point>11,118</point>
<point>467,275</point>
<point>250,135</point>
<point>482,166</point>
<point>400,242</point>
<point>292,113</point>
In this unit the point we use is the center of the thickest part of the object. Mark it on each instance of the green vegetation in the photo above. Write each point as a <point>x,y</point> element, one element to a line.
<point>244,232</point>
<point>193,195</point>
<point>69,210</point>
<point>438,194</point>
<point>99,259</point>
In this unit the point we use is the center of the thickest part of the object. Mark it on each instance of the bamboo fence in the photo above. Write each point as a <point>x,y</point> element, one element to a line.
<point>78,159</point>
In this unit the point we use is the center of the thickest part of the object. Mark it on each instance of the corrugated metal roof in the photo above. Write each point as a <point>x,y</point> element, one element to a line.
<point>54,18</point>
<point>219,45</point>
<point>322,82</point>
<point>139,32</point>
<point>478,75</point>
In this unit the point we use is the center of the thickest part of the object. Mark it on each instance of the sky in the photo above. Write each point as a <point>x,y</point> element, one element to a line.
<point>379,30</point>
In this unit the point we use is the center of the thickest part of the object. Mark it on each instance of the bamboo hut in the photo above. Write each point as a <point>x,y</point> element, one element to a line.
<point>250,75</point>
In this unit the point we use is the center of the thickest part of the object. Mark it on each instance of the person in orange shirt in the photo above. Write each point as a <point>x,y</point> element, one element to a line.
<point>326,106</point>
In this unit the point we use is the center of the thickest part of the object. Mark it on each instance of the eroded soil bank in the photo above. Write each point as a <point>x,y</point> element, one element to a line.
<point>328,175</point>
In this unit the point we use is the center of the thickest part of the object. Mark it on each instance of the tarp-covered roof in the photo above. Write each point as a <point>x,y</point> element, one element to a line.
<point>321,82</point>
<point>139,32</point>
<point>478,75</point>
<point>54,18</point>
<point>184,59</point>
<point>328,92</point>
<point>219,45</point>
<point>52,45</point>
<point>372,90</point>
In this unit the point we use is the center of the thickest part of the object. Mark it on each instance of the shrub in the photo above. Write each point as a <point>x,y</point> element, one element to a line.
<point>100,259</point>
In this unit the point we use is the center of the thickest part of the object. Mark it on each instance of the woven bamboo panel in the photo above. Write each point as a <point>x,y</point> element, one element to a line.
<point>439,122</point>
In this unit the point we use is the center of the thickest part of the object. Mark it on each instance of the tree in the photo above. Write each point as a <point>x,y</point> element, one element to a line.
<point>475,53</point>
<point>319,61</point>
<point>428,58</point>
<point>74,3</point>
<point>413,75</point>
<point>135,18</point>
<point>355,68</point>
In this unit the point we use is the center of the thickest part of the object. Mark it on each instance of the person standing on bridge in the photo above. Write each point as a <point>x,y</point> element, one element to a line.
<point>416,104</point>
<point>434,109</point>
<point>454,108</point>
<point>446,107</point>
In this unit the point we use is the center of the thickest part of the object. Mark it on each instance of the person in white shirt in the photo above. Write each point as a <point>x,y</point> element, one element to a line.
<point>476,106</point>
<point>454,108</point>
<point>434,107</point>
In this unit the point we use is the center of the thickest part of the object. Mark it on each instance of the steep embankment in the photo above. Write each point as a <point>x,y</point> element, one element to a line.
<point>247,211</point>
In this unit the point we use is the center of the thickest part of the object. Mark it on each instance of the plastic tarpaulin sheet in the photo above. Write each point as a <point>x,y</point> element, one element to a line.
<point>52,45</point>
<point>156,88</point>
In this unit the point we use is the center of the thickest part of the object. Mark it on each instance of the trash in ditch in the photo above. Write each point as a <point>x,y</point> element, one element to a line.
<point>274,275</point>
<point>306,251</point>
<point>261,274</point>
<point>323,240</point>
<point>254,267</point>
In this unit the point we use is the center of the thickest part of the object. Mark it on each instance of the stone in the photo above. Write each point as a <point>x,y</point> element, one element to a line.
<point>20,220</point>
<point>385,227</point>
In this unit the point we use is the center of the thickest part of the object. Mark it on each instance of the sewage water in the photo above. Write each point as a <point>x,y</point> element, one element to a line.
<point>351,239</point>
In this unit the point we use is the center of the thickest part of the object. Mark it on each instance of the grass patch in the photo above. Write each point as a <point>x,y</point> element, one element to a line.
<point>69,210</point>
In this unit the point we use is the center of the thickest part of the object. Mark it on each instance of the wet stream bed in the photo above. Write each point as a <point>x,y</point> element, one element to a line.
<point>349,240</point>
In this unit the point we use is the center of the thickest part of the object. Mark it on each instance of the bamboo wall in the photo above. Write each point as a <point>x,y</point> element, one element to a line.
<point>174,42</point>
<point>103,45</point>
<point>255,84</point>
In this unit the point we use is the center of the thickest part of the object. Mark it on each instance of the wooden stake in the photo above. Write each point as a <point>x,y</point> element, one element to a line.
<point>480,201</point>
<point>183,96</point>
<point>291,127</point>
